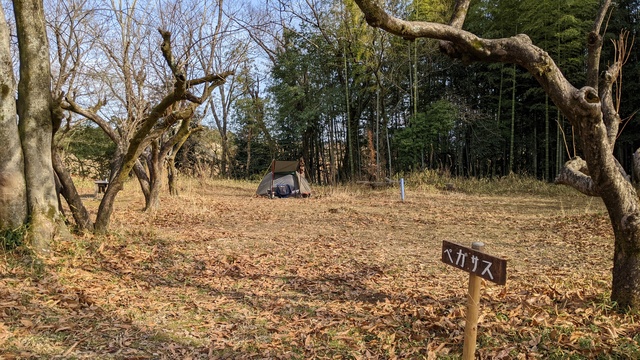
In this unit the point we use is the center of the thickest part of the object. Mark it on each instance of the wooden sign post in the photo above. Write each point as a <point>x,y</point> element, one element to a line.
<point>479,266</point>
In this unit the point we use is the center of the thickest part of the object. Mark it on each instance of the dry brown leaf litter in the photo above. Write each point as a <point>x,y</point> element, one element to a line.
<point>350,274</point>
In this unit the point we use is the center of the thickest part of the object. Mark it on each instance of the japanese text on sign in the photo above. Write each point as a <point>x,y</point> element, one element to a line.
<point>476,262</point>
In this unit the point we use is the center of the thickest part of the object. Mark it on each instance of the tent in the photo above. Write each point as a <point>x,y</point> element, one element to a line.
<point>283,181</point>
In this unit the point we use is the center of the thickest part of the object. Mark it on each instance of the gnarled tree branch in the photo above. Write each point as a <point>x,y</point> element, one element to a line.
<point>167,52</point>
<point>583,108</point>
<point>636,166</point>
<point>218,79</point>
<point>594,46</point>
<point>70,105</point>
<point>575,174</point>
<point>459,13</point>
<point>457,20</point>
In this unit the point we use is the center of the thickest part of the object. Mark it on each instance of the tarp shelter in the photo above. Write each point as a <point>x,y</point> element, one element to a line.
<point>283,181</point>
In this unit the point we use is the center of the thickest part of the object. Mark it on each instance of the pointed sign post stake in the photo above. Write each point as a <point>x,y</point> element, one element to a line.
<point>479,266</point>
<point>473,300</point>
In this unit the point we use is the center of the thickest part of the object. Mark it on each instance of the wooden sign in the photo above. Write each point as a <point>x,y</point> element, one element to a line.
<point>476,262</point>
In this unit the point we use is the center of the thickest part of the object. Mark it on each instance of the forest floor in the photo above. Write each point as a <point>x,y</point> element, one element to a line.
<point>350,273</point>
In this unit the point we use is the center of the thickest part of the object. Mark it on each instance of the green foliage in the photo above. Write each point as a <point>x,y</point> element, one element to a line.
<point>559,28</point>
<point>13,239</point>
<point>255,145</point>
<point>431,10</point>
<point>423,133</point>
<point>88,151</point>
<point>295,93</point>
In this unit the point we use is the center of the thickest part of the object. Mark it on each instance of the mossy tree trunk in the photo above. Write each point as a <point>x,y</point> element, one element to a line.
<point>27,186</point>
<point>13,191</point>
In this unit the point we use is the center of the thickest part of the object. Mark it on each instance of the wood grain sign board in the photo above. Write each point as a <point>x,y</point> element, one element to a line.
<point>488,267</point>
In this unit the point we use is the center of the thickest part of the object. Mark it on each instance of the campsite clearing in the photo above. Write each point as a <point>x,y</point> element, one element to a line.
<point>350,273</point>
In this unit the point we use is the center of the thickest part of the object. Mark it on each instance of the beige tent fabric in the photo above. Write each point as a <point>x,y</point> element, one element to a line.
<point>283,175</point>
<point>284,166</point>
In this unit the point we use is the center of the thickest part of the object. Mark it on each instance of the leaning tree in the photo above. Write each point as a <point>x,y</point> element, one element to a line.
<point>146,103</point>
<point>591,110</point>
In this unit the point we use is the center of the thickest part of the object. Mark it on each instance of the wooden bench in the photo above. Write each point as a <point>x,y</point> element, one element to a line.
<point>101,186</point>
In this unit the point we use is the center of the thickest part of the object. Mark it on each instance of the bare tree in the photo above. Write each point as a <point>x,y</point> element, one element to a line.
<point>69,24</point>
<point>589,109</point>
<point>201,41</point>
<point>143,102</point>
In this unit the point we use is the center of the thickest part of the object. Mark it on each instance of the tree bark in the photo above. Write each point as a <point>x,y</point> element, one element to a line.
<point>13,192</point>
<point>163,151</point>
<point>70,193</point>
<point>172,171</point>
<point>513,122</point>
<point>249,139</point>
<point>636,167</point>
<point>35,124</point>
<point>155,162</point>
<point>143,179</point>
<point>172,176</point>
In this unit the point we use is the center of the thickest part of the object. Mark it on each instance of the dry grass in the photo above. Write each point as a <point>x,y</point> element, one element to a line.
<point>350,273</point>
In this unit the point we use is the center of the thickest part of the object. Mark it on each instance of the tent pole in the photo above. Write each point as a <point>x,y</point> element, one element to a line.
<point>273,164</point>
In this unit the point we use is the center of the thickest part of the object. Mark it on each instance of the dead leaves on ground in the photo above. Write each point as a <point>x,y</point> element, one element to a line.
<point>338,276</point>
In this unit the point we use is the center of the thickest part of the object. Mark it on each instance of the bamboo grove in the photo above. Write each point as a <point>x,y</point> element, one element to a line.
<point>356,103</point>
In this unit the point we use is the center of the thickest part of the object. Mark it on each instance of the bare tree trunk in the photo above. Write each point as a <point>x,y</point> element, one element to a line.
<point>249,139</point>
<point>143,135</point>
<point>105,209</point>
<point>636,167</point>
<point>70,193</point>
<point>180,138</point>
<point>160,152</point>
<point>150,182</point>
<point>143,179</point>
<point>13,192</point>
<point>155,162</point>
<point>513,121</point>
<point>224,164</point>
<point>133,153</point>
<point>172,176</point>
<point>36,128</point>
<point>153,202</point>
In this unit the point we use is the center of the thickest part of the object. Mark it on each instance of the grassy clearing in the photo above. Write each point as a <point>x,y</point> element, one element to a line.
<point>350,273</point>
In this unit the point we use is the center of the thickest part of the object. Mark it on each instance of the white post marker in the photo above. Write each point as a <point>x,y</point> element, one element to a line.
<point>479,266</point>
<point>402,189</point>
